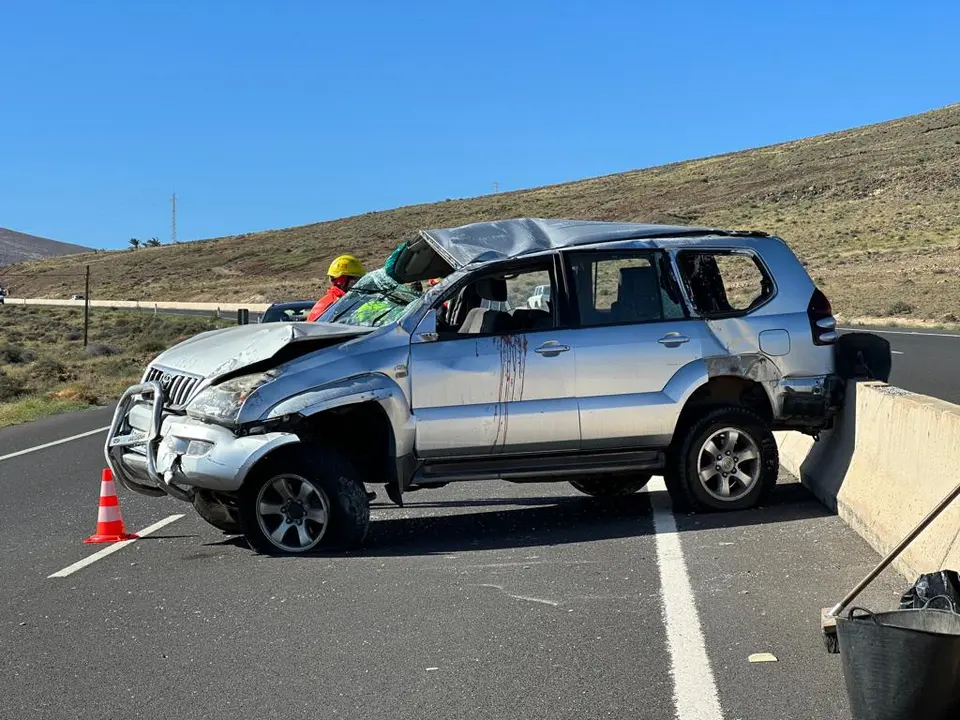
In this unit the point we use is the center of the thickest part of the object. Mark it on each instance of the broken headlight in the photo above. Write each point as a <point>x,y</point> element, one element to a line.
<point>221,403</point>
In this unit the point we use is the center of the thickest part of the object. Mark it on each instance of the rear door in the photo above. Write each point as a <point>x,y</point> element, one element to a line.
<point>633,337</point>
<point>499,377</point>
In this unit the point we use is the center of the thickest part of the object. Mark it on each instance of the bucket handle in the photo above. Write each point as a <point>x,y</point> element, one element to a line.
<point>866,615</point>
<point>951,605</point>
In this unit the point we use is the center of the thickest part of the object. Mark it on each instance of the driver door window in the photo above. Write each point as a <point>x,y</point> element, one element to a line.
<point>499,304</point>
<point>500,377</point>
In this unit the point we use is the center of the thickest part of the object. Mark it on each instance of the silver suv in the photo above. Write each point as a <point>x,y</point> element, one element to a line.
<point>650,350</point>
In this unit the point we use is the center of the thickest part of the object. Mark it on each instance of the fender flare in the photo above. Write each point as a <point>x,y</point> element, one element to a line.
<point>357,390</point>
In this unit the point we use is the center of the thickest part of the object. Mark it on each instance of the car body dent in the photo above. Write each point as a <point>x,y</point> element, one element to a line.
<point>384,352</point>
<point>216,353</point>
<point>370,388</point>
<point>227,462</point>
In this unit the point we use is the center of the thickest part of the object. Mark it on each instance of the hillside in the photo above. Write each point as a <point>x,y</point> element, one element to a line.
<point>17,247</point>
<point>873,212</point>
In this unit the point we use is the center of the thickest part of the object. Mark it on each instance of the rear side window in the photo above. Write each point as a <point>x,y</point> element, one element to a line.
<point>724,283</point>
<point>623,288</point>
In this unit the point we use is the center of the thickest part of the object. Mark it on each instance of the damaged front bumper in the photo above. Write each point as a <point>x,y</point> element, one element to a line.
<point>156,453</point>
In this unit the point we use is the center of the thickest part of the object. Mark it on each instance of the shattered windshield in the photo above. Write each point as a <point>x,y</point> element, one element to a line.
<point>376,299</point>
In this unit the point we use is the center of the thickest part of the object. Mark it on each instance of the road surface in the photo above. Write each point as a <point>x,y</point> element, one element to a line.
<point>924,362</point>
<point>482,600</point>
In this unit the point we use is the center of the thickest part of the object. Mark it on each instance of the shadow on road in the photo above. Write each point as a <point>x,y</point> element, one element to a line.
<point>548,521</point>
<point>530,522</point>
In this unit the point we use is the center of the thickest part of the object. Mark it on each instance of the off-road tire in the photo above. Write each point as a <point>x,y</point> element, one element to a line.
<point>221,517</point>
<point>682,477</point>
<point>611,486</point>
<point>349,510</point>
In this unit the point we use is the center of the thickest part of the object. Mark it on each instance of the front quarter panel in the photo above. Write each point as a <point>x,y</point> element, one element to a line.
<point>376,388</point>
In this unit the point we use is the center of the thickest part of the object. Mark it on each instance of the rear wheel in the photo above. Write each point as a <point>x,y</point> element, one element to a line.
<point>303,500</point>
<point>608,486</point>
<point>726,460</point>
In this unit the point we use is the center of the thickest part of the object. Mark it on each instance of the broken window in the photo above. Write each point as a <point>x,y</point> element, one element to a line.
<point>724,283</point>
<point>501,303</point>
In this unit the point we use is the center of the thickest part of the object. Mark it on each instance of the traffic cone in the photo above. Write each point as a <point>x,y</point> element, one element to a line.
<point>109,523</point>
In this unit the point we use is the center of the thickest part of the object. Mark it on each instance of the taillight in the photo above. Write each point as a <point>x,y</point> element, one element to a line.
<point>823,326</point>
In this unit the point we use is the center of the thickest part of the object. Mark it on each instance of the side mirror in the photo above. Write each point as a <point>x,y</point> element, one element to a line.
<point>427,329</point>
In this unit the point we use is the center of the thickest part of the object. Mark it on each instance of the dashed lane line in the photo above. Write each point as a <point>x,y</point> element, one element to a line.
<point>694,689</point>
<point>18,453</point>
<point>115,547</point>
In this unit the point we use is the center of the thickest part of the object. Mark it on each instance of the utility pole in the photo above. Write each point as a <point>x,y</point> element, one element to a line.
<point>86,308</point>
<point>173,219</point>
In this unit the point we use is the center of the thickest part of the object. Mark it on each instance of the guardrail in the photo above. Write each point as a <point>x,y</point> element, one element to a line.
<point>143,305</point>
<point>891,458</point>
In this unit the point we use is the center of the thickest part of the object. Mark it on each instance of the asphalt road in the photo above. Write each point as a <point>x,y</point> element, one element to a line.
<point>482,600</point>
<point>924,362</point>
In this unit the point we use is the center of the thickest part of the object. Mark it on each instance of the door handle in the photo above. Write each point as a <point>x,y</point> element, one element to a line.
<point>552,347</point>
<point>673,339</point>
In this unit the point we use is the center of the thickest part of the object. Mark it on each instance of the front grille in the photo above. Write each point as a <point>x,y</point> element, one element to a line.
<point>177,387</point>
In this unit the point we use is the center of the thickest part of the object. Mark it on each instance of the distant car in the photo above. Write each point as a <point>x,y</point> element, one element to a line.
<point>295,311</point>
<point>540,300</point>
<point>76,297</point>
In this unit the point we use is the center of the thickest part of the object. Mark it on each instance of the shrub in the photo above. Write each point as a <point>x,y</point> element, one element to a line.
<point>10,387</point>
<point>76,393</point>
<point>99,350</point>
<point>14,354</point>
<point>899,307</point>
<point>48,368</point>
<point>73,335</point>
<point>151,346</point>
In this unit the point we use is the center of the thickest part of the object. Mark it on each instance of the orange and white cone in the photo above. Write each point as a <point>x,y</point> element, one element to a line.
<point>109,523</point>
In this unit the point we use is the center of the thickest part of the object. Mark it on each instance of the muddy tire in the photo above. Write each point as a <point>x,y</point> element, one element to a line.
<point>216,513</point>
<point>611,486</point>
<point>303,500</point>
<point>725,460</point>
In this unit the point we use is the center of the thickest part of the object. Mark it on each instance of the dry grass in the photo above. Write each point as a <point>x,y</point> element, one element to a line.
<point>44,368</point>
<point>872,211</point>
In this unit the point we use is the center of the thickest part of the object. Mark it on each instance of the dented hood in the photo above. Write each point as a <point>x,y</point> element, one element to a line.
<point>218,352</point>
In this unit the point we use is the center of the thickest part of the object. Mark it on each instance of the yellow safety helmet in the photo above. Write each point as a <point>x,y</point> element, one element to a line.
<point>346,265</point>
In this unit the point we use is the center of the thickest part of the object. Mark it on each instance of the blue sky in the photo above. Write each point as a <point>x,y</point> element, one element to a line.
<point>275,113</point>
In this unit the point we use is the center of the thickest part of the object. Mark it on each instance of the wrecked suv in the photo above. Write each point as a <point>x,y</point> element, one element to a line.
<point>650,350</point>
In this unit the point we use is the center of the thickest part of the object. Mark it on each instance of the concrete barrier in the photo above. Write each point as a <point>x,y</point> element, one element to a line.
<point>142,304</point>
<point>891,458</point>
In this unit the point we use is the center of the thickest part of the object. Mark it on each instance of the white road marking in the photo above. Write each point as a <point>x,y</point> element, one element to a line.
<point>694,690</point>
<point>900,332</point>
<point>53,444</point>
<point>896,352</point>
<point>110,549</point>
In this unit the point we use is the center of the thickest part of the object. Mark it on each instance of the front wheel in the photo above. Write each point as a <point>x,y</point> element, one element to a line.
<point>302,500</point>
<point>217,513</point>
<point>726,460</point>
<point>601,486</point>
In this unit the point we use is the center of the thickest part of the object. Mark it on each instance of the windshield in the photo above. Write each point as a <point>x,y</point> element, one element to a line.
<point>376,299</point>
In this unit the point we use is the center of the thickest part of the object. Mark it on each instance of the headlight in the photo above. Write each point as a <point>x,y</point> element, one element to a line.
<point>221,403</point>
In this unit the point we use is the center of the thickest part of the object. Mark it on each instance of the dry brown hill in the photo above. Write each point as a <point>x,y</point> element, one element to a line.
<point>18,247</point>
<point>873,211</point>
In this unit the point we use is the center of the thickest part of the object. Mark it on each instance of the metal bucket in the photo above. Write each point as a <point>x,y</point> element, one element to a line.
<point>901,665</point>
